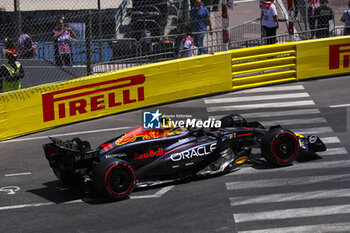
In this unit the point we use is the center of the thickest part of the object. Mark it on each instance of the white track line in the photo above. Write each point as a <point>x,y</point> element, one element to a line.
<point>18,174</point>
<point>26,206</point>
<point>295,121</point>
<point>270,89</point>
<point>333,227</point>
<point>292,213</point>
<point>259,106</point>
<point>339,106</point>
<point>296,167</point>
<point>276,113</point>
<point>334,151</point>
<point>279,182</point>
<point>292,196</point>
<point>330,140</point>
<point>156,195</point>
<point>66,134</point>
<point>255,98</point>
<point>317,130</point>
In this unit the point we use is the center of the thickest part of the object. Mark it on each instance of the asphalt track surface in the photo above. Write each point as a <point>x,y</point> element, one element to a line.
<point>310,196</point>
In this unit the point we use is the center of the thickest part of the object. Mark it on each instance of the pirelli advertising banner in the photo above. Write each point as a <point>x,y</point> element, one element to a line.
<point>42,107</point>
<point>323,57</point>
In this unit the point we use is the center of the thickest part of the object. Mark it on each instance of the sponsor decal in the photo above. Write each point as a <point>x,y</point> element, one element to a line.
<point>312,138</point>
<point>93,97</point>
<point>119,155</point>
<point>132,136</point>
<point>196,152</point>
<point>338,53</point>
<point>184,140</point>
<point>149,154</point>
<point>86,156</point>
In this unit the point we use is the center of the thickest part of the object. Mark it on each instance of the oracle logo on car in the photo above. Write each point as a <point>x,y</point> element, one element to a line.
<point>335,52</point>
<point>198,152</point>
<point>97,96</point>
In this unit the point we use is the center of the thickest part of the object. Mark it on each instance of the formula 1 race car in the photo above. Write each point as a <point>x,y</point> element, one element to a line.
<point>147,157</point>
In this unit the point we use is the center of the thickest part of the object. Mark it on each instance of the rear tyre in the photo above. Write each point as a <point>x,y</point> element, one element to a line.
<point>280,147</point>
<point>114,178</point>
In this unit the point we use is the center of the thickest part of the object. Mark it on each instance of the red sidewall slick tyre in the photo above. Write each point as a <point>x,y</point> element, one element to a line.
<point>280,147</point>
<point>114,178</point>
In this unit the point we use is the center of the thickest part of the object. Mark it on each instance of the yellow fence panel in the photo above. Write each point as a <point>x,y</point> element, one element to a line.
<point>269,64</point>
<point>323,57</point>
<point>43,107</point>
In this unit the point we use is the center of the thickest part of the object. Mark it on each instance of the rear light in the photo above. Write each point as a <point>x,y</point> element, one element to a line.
<point>50,152</point>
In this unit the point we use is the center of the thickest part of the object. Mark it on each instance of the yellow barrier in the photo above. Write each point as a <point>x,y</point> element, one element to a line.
<point>38,108</point>
<point>323,57</point>
<point>51,105</point>
<point>258,66</point>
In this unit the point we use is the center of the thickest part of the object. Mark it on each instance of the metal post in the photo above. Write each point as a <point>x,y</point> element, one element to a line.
<point>88,44</point>
<point>18,24</point>
<point>186,11</point>
<point>225,22</point>
<point>99,29</point>
<point>291,17</point>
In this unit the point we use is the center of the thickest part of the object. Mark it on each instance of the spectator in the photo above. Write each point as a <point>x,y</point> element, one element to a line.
<point>26,47</point>
<point>346,19</point>
<point>311,9</point>
<point>11,73</point>
<point>186,46</point>
<point>200,20</point>
<point>269,20</point>
<point>63,35</point>
<point>8,44</point>
<point>146,40</point>
<point>323,15</point>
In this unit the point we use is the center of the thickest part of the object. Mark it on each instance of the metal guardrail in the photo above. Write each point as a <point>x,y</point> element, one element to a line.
<point>283,38</point>
<point>246,31</point>
<point>148,59</point>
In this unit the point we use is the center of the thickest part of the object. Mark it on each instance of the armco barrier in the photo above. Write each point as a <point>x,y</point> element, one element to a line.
<point>263,65</point>
<point>38,108</point>
<point>323,57</point>
<point>33,109</point>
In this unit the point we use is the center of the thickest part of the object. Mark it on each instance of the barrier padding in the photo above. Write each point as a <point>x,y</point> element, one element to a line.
<point>46,106</point>
<point>323,57</point>
<point>258,66</point>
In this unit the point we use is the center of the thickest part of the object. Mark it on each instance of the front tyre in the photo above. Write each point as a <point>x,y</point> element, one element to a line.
<point>280,147</point>
<point>114,178</point>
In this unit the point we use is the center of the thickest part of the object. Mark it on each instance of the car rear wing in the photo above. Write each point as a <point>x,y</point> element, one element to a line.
<point>70,154</point>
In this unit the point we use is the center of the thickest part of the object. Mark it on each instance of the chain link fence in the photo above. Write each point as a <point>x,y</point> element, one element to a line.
<point>61,40</point>
<point>304,12</point>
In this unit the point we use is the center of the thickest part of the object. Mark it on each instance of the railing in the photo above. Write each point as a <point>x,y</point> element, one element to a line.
<point>339,30</point>
<point>246,31</point>
<point>152,58</point>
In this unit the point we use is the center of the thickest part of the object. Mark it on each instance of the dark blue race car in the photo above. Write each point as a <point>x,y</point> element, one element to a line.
<point>147,157</point>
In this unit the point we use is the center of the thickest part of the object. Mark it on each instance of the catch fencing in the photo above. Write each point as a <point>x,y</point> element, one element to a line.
<point>107,31</point>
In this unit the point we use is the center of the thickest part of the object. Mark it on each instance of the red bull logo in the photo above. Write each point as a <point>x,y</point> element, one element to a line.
<point>138,133</point>
<point>93,97</point>
<point>149,154</point>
